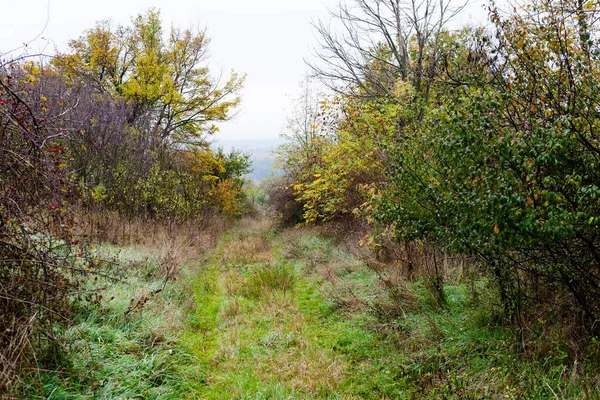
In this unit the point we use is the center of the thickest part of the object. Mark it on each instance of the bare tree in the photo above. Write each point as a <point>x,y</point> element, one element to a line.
<point>378,42</point>
<point>303,127</point>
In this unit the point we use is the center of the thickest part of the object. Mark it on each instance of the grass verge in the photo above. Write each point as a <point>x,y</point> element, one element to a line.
<point>125,344</point>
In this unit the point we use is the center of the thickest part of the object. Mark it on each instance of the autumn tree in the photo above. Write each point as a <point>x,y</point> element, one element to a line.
<point>382,60</point>
<point>507,167</point>
<point>160,75</point>
<point>146,101</point>
<point>310,126</point>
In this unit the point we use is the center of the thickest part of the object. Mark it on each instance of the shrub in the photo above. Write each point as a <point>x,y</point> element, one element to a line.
<point>38,270</point>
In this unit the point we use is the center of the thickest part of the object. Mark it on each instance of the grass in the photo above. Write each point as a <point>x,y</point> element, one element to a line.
<point>124,347</point>
<point>339,334</point>
<point>292,315</point>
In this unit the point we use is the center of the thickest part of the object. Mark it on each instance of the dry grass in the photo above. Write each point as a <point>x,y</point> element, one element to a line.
<point>259,315</point>
<point>170,245</point>
<point>288,355</point>
<point>230,310</point>
<point>256,225</point>
<point>14,356</point>
<point>292,356</point>
<point>106,226</point>
<point>245,250</point>
<point>304,367</point>
<point>233,282</point>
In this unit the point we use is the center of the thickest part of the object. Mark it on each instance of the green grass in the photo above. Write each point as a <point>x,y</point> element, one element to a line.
<point>294,316</point>
<point>110,355</point>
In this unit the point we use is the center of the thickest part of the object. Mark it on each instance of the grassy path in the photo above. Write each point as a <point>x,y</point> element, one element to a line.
<point>264,327</point>
<point>292,315</point>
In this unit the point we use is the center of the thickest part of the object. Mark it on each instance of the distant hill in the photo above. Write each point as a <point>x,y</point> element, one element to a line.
<point>261,154</point>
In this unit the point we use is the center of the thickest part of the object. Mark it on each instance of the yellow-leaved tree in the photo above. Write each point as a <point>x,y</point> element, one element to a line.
<point>157,74</point>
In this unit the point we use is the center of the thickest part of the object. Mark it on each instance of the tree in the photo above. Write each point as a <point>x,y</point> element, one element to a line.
<point>307,126</point>
<point>382,42</point>
<point>163,78</point>
<point>146,103</point>
<point>507,168</point>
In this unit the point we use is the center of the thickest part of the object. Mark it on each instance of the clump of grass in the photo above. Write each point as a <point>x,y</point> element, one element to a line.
<point>234,282</point>
<point>312,249</point>
<point>243,250</point>
<point>306,368</point>
<point>264,278</point>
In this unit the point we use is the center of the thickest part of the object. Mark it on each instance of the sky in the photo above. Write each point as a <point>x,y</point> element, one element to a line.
<point>266,39</point>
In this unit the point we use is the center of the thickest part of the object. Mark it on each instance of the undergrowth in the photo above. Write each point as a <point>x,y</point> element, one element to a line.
<point>293,315</point>
<point>126,344</point>
<point>399,343</point>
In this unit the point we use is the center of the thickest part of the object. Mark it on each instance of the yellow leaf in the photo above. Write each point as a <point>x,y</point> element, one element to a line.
<point>496,229</point>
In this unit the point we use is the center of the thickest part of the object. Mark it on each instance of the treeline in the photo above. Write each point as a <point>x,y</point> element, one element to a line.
<point>477,141</point>
<point>119,123</point>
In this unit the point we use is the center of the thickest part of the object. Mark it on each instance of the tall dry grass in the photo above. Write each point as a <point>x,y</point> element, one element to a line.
<point>173,245</point>
<point>108,226</point>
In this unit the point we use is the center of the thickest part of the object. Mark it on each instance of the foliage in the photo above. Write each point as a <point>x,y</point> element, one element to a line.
<point>506,168</point>
<point>282,200</point>
<point>256,194</point>
<point>179,185</point>
<point>145,106</point>
<point>484,145</point>
<point>350,168</point>
<point>40,262</point>
<point>161,79</point>
<point>119,123</point>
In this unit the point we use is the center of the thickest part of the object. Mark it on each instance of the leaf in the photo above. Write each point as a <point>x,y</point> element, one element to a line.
<point>521,43</point>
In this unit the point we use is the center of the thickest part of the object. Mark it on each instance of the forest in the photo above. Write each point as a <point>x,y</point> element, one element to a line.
<point>432,231</point>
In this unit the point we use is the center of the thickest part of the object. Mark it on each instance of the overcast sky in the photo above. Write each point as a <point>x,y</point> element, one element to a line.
<point>266,39</point>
